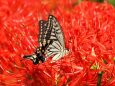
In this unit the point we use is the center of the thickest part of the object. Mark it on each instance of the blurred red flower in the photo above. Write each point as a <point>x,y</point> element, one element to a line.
<point>89,30</point>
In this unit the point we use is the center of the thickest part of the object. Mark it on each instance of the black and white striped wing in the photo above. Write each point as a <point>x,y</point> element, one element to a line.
<point>42,31</point>
<point>57,33</point>
<point>44,35</point>
<point>57,48</point>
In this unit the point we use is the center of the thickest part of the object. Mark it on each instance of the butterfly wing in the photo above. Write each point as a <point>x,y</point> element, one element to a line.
<point>57,31</point>
<point>42,31</point>
<point>57,48</point>
<point>44,35</point>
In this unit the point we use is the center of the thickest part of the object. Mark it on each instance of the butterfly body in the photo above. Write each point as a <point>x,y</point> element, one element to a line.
<point>51,41</point>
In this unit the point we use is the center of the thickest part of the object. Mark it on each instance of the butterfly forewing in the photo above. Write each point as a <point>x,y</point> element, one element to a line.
<point>45,34</point>
<point>58,44</point>
<point>57,31</point>
<point>42,31</point>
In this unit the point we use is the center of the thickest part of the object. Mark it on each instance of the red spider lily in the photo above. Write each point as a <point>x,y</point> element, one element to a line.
<point>89,35</point>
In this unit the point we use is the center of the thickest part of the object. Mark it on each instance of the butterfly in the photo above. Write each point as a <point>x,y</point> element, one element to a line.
<point>51,41</point>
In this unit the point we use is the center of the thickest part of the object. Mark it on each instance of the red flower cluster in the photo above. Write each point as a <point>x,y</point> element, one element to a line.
<point>89,30</point>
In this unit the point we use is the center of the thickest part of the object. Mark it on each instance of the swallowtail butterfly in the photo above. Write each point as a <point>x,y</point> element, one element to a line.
<point>51,41</point>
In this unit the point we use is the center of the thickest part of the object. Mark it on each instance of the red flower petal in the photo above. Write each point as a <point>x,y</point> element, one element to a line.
<point>89,35</point>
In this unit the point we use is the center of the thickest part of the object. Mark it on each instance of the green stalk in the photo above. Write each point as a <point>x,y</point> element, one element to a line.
<point>100,0</point>
<point>99,78</point>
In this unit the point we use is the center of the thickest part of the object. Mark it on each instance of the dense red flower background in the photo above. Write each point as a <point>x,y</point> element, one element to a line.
<point>89,30</point>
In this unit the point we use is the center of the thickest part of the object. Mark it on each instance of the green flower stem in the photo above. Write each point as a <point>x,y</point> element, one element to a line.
<point>99,78</point>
